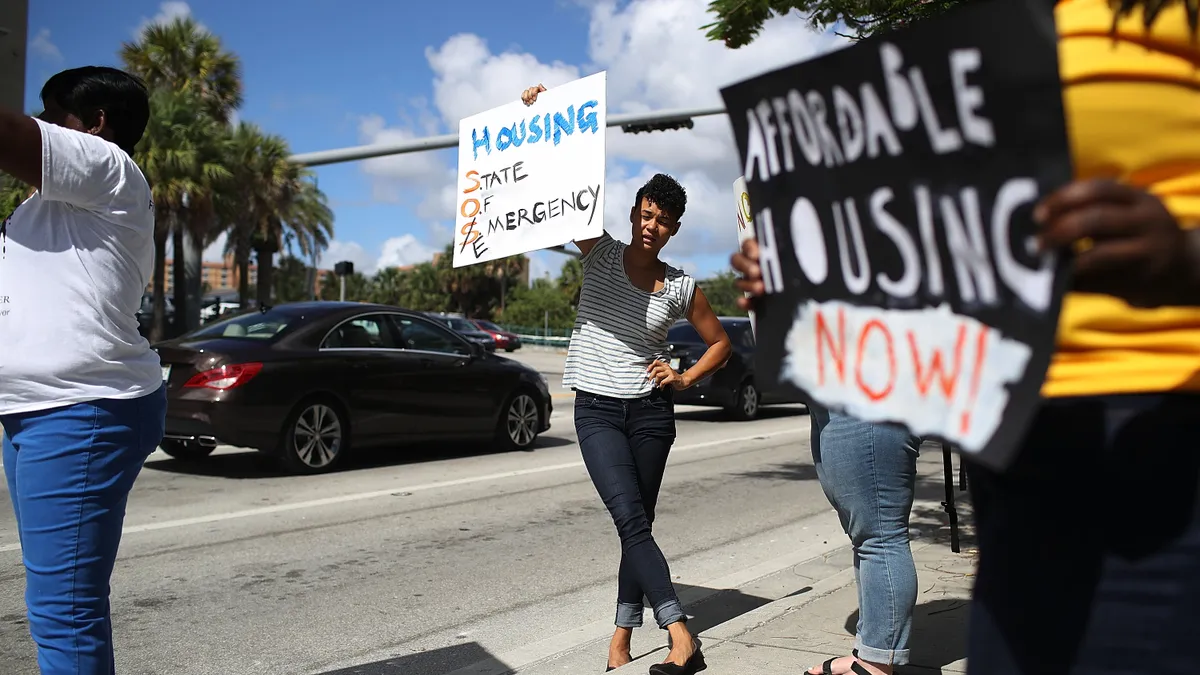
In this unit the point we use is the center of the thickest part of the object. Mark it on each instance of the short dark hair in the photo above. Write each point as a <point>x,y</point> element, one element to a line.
<point>123,98</point>
<point>666,192</point>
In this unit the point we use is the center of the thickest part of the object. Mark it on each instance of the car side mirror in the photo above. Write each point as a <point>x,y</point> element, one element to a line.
<point>477,350</point>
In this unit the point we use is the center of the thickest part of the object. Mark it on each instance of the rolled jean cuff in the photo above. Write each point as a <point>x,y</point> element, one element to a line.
<point>668,613</point>
<point>889,657</point>
<point>629,616</point>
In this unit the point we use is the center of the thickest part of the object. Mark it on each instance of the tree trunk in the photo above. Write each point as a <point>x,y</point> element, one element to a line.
<point>241,256</point>
<point>266,274</point>
<point>157,327</point>
<point>179,277</point>
<point>193,270</point>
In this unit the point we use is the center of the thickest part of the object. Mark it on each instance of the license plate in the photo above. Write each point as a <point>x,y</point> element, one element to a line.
<point>674,364</point>
<point>166,373</point>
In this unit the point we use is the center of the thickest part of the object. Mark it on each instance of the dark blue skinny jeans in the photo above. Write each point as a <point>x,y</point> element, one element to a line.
<point>625,443</point>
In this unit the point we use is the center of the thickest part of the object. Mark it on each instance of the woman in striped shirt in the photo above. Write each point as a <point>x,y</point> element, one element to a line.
<point>618,365</point>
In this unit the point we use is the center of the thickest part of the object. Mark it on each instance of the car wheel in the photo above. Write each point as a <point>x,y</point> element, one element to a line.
<point>185,451</point>
<point>520,421</point>
<point>746,402</point>
<point>315,437</point>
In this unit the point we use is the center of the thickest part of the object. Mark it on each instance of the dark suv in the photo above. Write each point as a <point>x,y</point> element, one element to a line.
<point>732,387</point>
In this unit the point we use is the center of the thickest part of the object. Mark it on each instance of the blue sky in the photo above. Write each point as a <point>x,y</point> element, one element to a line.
<point>335,74</point>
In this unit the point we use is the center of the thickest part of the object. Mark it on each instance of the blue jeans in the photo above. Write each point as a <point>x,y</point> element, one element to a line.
<point>869,471</point>
<point>1089,544</point>
<point>69,473</point>
<point>625,443</point>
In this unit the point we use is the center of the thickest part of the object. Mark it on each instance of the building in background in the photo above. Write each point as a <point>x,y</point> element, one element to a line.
<point>221,278</point>
<point>215,277</point>
<point>14,37</point>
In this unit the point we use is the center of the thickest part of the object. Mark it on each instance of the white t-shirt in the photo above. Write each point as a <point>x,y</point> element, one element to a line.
<point>77,257</point>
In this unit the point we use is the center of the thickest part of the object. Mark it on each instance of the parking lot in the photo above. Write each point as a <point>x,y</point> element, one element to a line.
<point>427,560</point>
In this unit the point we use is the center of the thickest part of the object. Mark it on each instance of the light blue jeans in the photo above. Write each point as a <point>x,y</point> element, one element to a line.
<point>868,471</point>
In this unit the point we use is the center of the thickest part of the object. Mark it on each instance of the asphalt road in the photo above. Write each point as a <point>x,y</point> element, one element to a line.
<point>429,561</point>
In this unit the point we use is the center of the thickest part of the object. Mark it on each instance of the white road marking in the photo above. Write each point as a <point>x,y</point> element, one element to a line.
<point>376,494</point>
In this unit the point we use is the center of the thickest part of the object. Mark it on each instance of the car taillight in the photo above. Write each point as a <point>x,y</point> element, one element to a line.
<point>225,377</point>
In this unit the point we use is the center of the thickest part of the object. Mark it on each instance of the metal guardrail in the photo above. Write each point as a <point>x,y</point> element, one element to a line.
<point>544,340</point>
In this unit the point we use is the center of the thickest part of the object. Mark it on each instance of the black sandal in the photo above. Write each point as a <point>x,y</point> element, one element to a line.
<point>855,667</point>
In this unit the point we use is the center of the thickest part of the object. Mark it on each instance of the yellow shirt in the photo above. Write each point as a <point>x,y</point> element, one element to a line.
<point>1133,113</point>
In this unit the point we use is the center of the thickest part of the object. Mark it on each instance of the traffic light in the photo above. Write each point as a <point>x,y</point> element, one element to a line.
<point>664,125</point>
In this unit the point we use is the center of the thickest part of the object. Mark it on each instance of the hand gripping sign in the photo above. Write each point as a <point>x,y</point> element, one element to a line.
<point>532,177</point>
<point>893,184</point>
<point>745,221</point>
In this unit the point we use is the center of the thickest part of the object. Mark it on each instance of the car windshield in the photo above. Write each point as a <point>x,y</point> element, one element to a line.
<point>461,325</point>
<point>252,325</point>
<point>488,325</point>
<point>685,333</point>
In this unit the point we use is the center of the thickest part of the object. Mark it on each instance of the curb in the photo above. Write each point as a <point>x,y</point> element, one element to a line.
<point>739,626</point>
<point>728,631</point>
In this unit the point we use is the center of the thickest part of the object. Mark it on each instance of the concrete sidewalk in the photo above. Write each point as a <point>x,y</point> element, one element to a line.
<point>801,631</point>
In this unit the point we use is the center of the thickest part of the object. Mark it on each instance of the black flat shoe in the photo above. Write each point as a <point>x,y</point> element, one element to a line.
<point>694,664</point>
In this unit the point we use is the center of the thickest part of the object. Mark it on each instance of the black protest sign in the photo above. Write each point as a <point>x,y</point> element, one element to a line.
<point>893,184</point>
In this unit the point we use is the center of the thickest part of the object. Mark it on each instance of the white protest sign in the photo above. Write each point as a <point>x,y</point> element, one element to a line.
<point>532,177</point>
<point>745,219</point>
<point>744,215</point>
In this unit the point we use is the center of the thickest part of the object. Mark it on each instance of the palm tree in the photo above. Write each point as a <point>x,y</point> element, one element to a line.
<point>299,212</point>
<point>12,193</point>
<point>387,288</point>
<point>179,156</point>
<point>184,57</point>
<point>258,162</point>
<point>570,280</point>
<point>271,204</point>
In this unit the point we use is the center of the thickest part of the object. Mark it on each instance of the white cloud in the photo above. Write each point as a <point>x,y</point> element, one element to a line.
<point>656,58</point>
<point>403,250</point>
<point>469,79</point>
<point>398,251</point>
<point>42,47</point>
<point>167,12</point>
<point>392,175</point>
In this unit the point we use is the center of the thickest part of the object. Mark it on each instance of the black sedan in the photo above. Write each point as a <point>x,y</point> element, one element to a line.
<point>733,387</point>
<point>306,381</point>
<point>467,329</point>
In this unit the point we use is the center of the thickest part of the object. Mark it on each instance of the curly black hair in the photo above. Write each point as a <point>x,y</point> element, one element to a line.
<point>666,192</point>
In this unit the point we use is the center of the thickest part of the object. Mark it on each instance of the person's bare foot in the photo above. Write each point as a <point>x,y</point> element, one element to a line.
<point>844,666</point>
<point>618,648</point>
<point>683,645</point>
